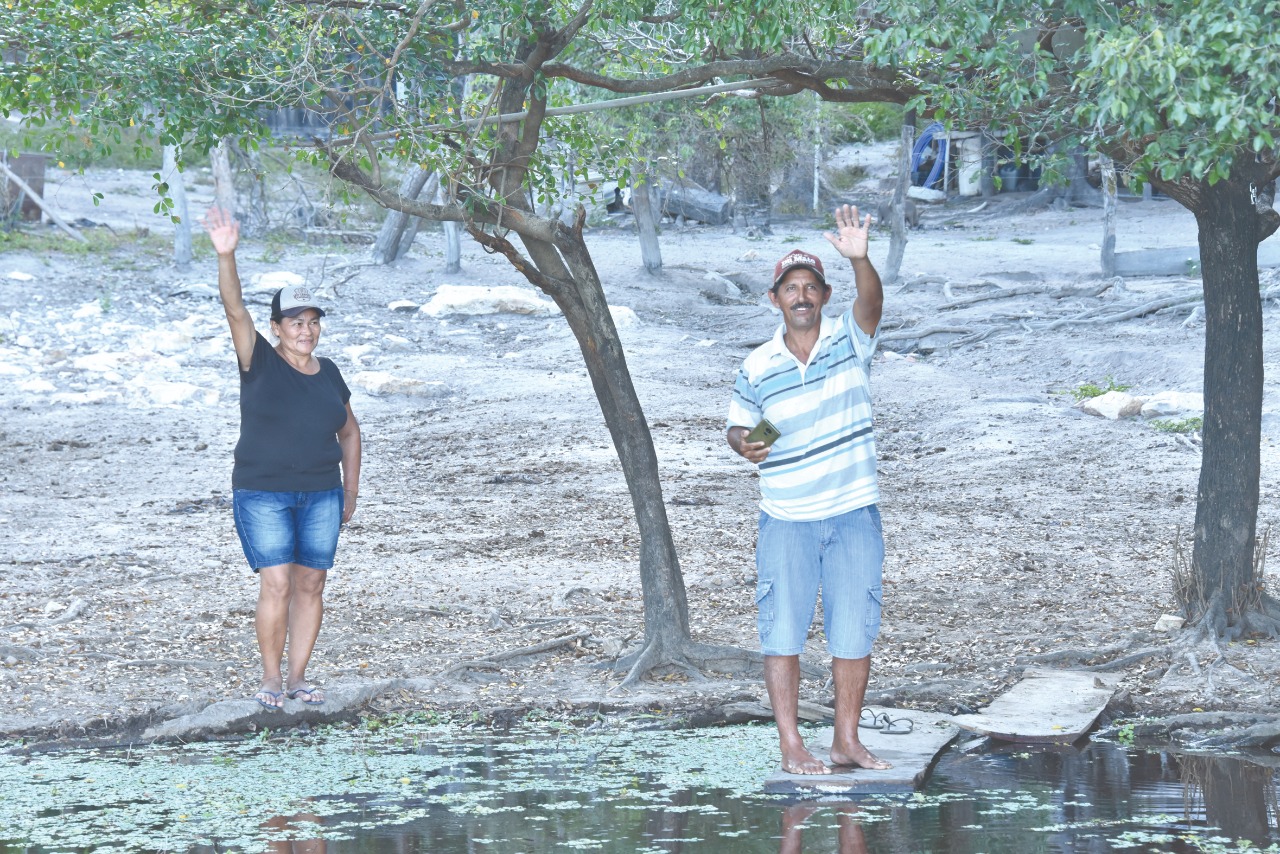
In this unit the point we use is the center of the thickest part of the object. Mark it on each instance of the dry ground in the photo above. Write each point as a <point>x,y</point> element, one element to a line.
<point>493,514</point>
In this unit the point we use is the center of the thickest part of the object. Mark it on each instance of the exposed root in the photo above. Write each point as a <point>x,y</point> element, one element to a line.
<point>694,659</point>
<point>1162,651</point>
<point>493,662</point>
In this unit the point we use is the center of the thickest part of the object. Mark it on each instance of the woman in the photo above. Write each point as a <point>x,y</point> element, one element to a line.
<point>297,468</point>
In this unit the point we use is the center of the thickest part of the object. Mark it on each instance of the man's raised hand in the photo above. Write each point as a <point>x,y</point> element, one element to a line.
<point>851,236</point>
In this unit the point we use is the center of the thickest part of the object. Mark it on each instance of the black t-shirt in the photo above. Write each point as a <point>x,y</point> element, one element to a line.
<point>289,424</point>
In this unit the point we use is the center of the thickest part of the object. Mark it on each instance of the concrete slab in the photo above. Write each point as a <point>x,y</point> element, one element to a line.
<point>912,755</point>
<point>1047,706</point>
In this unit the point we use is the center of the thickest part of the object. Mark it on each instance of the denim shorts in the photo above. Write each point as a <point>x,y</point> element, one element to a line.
<point>843,557</point>
<point>288,527</point>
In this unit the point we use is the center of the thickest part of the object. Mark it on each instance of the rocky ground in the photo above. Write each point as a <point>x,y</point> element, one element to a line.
<point>493,514</point>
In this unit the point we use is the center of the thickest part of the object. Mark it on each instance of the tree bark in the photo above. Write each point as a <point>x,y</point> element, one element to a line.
<point>224,189</point>
<point>386,248</point>
<point>646,225</point>
<point>1108,217</point>
<point>452,237</point>
<point>178,192</point>
<point>1227,498</point>
<point>898,236</point>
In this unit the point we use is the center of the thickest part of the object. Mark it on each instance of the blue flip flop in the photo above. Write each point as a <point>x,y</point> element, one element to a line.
<point>275,695</point>
<point>309,690</point>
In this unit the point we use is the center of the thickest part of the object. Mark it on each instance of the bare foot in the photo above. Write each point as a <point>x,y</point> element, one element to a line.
<point>858,756</point>
<point>802,762</point>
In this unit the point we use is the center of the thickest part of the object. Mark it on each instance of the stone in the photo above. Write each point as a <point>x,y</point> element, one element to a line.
<point>474,299</point>
<point>406,305</point>
<point>381,382</point>
<point>275,280</point>
<point>1166,403</point>
<point>925,194</point>
<point>19,276</point>
<point>1113,405</point>
<point>623,317</point>
<point>1169,623</point>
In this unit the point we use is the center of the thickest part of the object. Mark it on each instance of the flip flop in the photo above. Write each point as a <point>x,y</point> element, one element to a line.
<point>309,690</point>
<point>869,719</point>
<point>897,726</point>
<point>274,695</point>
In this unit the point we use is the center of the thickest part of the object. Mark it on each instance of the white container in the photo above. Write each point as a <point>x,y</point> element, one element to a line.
<point>968,163</point>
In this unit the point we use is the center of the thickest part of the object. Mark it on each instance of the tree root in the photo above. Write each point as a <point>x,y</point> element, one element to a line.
<point>494,662</point>
<point>1242,729</point>
<point>1130,659</point>
<point>693,659</point>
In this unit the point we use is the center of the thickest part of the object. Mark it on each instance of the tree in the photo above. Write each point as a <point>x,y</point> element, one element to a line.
<point>384,73</point>
<point>1183,95</point>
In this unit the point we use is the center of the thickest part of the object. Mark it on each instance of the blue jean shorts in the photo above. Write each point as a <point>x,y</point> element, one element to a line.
<point>288,527</point>
<point>843,557</point>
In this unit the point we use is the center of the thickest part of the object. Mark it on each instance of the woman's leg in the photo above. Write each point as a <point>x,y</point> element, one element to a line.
<point>306,613</point>
<point>275,588</point>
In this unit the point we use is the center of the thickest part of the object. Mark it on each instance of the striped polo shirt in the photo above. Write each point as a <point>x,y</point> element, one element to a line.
<point>824,463</point>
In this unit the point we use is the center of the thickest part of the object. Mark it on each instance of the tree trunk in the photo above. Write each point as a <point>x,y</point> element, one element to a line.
<point>178,192</point>
<point>224,188</point>
<point>1227,499</point>
<point>898,237</point>
<point>1108,217</point>
<point>387,246</point>
<point>646,225</point>
<point>452,237</point>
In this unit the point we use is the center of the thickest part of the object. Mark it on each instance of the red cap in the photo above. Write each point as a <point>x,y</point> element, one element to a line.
<point>797,258</point>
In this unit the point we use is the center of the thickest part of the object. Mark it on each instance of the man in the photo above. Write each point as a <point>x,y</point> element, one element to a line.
<point>819,526</point>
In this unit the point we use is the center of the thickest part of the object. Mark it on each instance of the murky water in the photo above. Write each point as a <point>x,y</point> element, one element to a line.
<point>546,787</point>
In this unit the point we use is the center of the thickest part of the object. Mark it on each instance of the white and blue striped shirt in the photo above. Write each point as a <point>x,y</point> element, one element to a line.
<point>824,463</point>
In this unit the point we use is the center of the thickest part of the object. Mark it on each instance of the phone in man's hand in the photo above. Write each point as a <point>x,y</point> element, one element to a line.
<point>764,432</point>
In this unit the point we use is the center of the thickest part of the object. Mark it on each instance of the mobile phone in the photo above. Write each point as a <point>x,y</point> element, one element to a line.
<point>764,432</point>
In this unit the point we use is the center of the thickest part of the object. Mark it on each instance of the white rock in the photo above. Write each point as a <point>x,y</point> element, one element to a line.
<point>99,362</point>
<point>1167,403</point>
<point>165,393</point>
<point>194,289</point>
<point>356,353</point>
<point>381,382</point>
<point>925,194</point>
<point>623,317</point>
<point>89,309</point>
<point>19,276</point>
<point>1169,623</point>
<point>1113,405</point>
<point>170,339</point>
<point>471,299</point>
<point>37,386</point>
<point>276,279</point>
<point>77,398</point>
<point>53,607</point>
<point>402,305</point>
<point>397,342</point>
<point>7,370</point>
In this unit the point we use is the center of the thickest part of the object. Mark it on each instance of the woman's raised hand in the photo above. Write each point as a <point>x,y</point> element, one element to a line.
<point>223,230</point>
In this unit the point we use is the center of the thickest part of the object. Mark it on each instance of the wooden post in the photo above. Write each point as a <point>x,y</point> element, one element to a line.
<point>1108,217</point>
<point>39,202</point>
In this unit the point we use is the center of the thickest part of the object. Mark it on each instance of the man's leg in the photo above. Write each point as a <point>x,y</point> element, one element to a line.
<point>782,678</point>
<point>851,675</point>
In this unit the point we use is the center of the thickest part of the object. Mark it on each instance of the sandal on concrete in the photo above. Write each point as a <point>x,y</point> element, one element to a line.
<point>311,691</point>
<point>872,720</point>
<point>897,726</point>
<point>263,696</point>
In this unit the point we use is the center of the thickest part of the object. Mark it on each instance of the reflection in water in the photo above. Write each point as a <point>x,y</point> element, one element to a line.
<point>1235,797</point>
<point>616,790</point>
<point>849,836</point>
<point>285,828</point>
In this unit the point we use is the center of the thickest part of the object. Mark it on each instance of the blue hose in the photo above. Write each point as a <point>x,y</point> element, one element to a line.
<point>917,152</point>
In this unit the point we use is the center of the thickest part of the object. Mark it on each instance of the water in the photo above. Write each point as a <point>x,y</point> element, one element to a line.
<point>547,787</point>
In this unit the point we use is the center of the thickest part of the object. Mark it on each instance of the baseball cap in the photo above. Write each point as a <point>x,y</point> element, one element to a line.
<point>292,300</point>
<point>798,258</point>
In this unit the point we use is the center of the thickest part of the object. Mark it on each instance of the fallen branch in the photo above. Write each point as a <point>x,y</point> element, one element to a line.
<point>1130,659</point>
<point>76,608</point>
<point>1003,293</point>
<point>494,661</point>
<point>914,334</point>
<point>1146,308</point>
<point>39,202</point>
<point>171,663</point>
